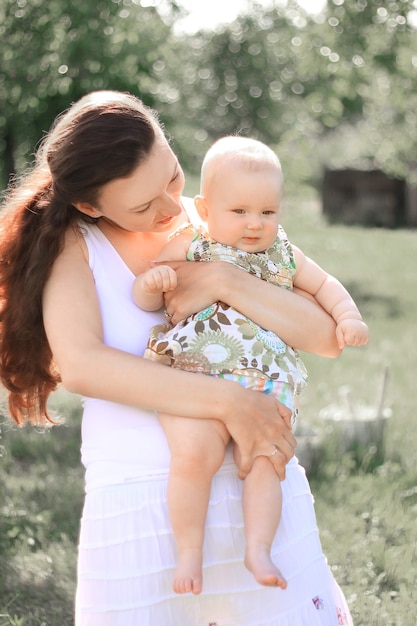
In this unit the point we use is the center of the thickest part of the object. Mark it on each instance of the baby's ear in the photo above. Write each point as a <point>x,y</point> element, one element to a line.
<point>200,205</point>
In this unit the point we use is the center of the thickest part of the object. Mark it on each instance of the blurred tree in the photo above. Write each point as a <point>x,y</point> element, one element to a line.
<point>52,53</point>
<point>308,83</point>
<point>241,78</point>
<point>357,66</point>
<point>288,77</point>
<point>379,39</point>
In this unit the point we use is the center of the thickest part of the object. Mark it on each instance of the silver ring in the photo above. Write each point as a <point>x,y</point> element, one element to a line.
<point>275,450</point>
<point>167,315</point>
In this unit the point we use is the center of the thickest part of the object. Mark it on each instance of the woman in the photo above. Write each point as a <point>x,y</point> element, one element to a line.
<point>96,209</point>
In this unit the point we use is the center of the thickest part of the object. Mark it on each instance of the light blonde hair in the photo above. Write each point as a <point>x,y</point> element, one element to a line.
<point>243,151</point>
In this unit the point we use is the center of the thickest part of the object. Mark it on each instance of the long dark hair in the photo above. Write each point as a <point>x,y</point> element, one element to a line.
<point>103,136</point>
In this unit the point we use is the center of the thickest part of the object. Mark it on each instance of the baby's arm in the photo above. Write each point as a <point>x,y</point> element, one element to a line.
<point>149,288</point>
<point>334,298</point>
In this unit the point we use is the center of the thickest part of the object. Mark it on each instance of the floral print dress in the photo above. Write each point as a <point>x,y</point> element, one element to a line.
<point>219,340</point>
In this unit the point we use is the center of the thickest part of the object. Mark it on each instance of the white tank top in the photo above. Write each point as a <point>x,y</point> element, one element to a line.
<point>119,443</point>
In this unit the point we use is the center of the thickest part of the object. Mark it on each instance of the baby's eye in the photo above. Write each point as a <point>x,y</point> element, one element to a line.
<point>238,211</point>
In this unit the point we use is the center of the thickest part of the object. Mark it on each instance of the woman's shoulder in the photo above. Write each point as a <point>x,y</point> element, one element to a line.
<point>75,238</point>
<point>76,244</point>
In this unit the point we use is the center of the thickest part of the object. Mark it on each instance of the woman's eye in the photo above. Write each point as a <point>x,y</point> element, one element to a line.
<point>175,177</point>
<point>143,209</point>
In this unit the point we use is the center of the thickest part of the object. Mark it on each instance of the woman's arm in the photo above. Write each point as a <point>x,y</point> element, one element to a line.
<point>298,320</point>
<point>88,367</point>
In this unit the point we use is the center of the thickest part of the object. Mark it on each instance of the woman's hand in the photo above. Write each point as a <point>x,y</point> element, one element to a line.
<point>199,286</point>
<point>257,423</point>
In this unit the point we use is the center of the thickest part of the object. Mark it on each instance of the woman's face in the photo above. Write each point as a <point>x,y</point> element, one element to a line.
<point>149,199</point>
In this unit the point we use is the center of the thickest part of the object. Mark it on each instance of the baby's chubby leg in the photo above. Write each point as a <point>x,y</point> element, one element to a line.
<point>262,504</point>
<point>197,451</point>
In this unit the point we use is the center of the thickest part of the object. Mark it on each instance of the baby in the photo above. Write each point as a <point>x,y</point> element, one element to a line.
<point>241,191</point>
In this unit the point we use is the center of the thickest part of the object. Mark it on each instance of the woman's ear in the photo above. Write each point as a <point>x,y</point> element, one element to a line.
<point>200,205</point>
<point>87,209</point>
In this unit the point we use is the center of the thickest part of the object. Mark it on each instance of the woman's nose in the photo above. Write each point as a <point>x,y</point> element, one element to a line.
<point>170,206</point>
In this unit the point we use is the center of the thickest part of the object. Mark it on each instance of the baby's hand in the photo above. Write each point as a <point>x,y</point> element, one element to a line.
<point>351,332</point>
<point>160,278</point>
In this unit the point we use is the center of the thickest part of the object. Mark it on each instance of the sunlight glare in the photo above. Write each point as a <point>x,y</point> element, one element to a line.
<point>209,14</point>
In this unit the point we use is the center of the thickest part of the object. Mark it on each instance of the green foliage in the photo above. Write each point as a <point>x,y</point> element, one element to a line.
<point>53,53</point>
<point>41,492</point>
<point>332,90</point>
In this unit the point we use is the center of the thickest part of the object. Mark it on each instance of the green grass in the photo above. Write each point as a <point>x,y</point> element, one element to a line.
<point>41,493</point>
<point>366,507</point>
<point>367,519</point>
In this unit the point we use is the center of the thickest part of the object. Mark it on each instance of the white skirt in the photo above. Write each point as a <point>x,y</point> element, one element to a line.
<point>127,561</point>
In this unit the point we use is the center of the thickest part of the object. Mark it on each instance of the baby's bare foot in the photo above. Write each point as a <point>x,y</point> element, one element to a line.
<point>264,569</point>
<point>188,575</point>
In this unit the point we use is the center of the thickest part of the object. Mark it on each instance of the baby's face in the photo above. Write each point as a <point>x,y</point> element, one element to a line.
<point>243,206</point>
